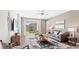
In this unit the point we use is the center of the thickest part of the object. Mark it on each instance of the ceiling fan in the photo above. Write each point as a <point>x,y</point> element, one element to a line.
<point>42,12</point>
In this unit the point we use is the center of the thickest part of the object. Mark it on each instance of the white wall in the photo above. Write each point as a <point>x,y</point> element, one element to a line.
<point>4,26</point>
<point>5,31</point>
<point>71,19</point>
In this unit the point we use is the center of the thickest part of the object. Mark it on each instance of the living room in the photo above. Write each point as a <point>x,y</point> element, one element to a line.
<point>43,24</point>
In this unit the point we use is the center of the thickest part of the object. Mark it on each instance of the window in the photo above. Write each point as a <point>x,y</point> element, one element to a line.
<point>59,25</point>
<point>16,26</point>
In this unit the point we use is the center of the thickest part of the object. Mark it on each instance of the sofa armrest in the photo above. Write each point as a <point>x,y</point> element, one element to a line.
<point>1,47</point>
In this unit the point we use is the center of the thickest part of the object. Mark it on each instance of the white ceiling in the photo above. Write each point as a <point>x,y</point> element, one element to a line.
<point>36,13</point>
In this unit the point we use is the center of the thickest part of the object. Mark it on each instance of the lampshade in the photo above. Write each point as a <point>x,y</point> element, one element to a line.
<point>50,28</point>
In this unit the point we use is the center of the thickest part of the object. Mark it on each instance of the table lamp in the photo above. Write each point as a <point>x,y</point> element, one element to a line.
<point>72,31</point>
